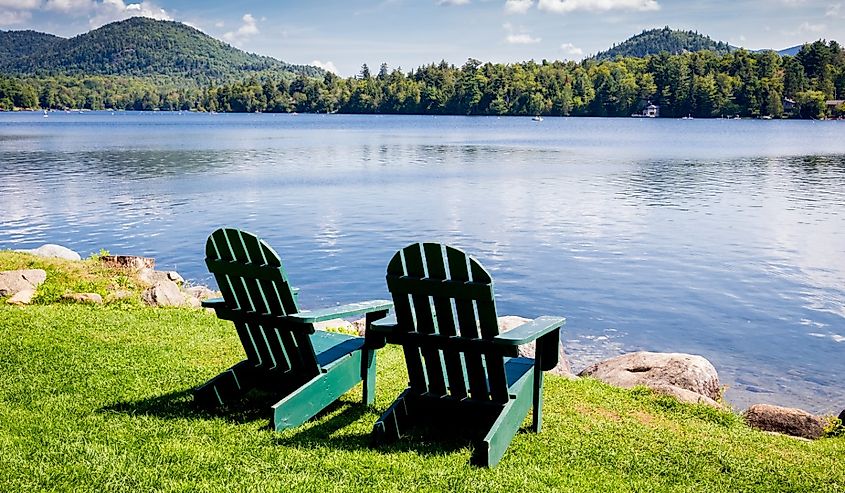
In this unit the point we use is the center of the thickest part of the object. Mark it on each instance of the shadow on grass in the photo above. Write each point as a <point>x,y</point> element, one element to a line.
<point>255,406</point>
<point>316,433</point>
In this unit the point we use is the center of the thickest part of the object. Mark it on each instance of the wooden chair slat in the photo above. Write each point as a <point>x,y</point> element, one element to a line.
<point>414,265</point>
<point>455,373</point>
<point>405,316</point>
<point>467,326</point>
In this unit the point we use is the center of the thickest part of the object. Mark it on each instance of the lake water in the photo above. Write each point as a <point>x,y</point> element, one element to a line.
<point>721,238</point>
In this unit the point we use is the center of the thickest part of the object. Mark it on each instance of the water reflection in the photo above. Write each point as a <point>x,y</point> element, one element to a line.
<point>725,239</point>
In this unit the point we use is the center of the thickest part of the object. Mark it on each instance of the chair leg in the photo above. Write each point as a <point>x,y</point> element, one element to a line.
<point>226,387</point>
<point>537,414</point>
<point>368,376</point>
<point>395,422</point>
<point>489,451</point>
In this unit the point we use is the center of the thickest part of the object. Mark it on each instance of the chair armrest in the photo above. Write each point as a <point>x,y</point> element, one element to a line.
<point>377,332</point>
<point>342,311</point>
<point>530,331</point>
<point>213,303</point>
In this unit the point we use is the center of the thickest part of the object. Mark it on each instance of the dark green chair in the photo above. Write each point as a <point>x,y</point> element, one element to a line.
<point>463,374</point>
<point>307,369</point>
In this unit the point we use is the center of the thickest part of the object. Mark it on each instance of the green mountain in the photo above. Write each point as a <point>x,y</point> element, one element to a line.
<point>654,41</point>
<point>138,47</point>
<point>19,44</point>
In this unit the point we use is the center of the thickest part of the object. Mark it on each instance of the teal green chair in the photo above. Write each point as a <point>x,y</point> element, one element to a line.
<point>304,368</point>
<point>463,374</point>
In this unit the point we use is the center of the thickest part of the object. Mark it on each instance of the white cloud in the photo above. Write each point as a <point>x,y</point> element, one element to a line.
<point>19,4</point>
<point>518,6</point>
<point>518,38</point>
<point>452,2</point>
<point>12,17</point>
<point>571,50</point>
<point>834,10</point>
<point>521,39</point>
<point>327,66</point>
<point>806,27</point>
<point>564,6</point>
<point>248,28</point>
<point>116,10</point>
<point>71,6</point>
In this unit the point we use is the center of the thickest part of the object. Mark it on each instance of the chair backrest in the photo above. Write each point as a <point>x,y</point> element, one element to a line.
<point>443,300</point>
<point>258,295</point>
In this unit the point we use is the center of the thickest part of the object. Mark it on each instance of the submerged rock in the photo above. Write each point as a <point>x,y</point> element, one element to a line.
<point>786,420</point>
<point>674,374</point>
<point>14,281</point>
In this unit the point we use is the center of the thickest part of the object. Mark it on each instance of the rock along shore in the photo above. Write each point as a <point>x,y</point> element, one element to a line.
<point>685,377</point>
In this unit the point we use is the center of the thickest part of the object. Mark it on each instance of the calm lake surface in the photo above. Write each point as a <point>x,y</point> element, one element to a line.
<point>716,237</point>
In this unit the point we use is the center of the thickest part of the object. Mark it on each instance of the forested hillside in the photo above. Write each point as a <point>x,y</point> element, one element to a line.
<point>655,41</point>
<point>137,47</point>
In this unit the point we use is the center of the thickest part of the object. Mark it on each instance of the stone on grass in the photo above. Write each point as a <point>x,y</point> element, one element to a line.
<point>84,298</point>
<point>786,420</point>
<point>202,292</point>
<point>660,371</point>
<point>336,325</point>
<point>128,261</point>
<point>22,297</point>
<point>13,281</point>
<point>510,322</point>
<point>53,251</point>
<point>164,293</point>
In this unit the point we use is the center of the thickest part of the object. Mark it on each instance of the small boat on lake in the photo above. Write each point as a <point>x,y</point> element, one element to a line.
<point>537,118</point>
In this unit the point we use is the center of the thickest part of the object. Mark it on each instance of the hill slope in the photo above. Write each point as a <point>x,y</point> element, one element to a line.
<point>654,41</point>
<point>18,44</point>
<point>136,47</point>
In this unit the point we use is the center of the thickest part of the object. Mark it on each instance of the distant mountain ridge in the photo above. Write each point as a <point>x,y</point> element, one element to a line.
<point>138,47</point>
<point>654,41</point>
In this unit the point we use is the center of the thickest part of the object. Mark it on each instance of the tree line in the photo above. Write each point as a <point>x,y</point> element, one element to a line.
<point>699,84</point>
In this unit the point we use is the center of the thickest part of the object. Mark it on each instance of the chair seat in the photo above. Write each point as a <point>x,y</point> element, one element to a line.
<point>331,346</point>
<point>516,368</point>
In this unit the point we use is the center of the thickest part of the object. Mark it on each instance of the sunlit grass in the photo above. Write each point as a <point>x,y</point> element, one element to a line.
<point>98,399</point>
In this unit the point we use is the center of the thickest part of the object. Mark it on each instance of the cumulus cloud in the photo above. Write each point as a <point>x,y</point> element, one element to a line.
<point>247,29</point>
<point>518,6</point>
<point>71,6</point>
<point>811,28</point>
<point>13,17</point>
<point>564,6</point>
<point>571,50</point>
<point>116,10</point>
<point>19,4</point>
<point>518,38</point>
<point>327,66</point>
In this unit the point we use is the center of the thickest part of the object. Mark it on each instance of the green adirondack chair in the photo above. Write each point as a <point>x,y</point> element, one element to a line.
<point>308,369</point>
<point>462,373</point>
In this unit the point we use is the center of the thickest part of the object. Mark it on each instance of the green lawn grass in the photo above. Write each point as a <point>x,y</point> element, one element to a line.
<point>97,398</point>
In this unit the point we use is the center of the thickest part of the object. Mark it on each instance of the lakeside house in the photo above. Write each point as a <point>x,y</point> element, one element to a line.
<point>650,111</point>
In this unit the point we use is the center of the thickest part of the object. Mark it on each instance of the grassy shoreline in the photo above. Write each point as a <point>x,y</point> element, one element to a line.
<point>97,398</point>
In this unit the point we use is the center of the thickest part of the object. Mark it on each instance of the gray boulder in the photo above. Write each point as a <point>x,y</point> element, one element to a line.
<point>674,374</point>
<point>54,251</point>
<point>202,292</point>
<point>164,293</point>
<point>128,261</point>
<point>22,297</point>
<point>510,322</point>
<point>84,298</point>
<point>13,281</point>
<point>786,420</point>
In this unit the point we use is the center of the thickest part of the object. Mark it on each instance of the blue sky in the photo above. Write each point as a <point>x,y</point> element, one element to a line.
<point>341,35</point>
